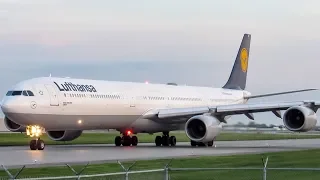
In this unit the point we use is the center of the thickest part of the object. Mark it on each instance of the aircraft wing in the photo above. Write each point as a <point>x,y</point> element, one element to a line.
<point>179,115</point>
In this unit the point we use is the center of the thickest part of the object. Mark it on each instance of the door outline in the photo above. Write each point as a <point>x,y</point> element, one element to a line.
<point>132,102</point>
<point>54,101</point>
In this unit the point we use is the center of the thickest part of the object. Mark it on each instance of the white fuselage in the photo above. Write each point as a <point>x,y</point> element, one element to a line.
<point>92,104</point>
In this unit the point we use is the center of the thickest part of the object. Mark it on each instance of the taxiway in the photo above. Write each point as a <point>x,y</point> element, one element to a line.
<point>16,156</point>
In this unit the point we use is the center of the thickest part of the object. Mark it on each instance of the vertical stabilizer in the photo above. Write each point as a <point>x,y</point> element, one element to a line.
<point>238,76</point>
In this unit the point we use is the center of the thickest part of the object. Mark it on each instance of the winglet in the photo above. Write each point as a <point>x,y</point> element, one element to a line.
<point>238,76</point>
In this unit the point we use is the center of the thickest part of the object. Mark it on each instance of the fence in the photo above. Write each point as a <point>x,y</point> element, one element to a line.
<point>170,173</point>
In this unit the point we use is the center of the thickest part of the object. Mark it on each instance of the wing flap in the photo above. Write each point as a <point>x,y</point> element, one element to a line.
<point>166,113</point>
<point>174,112</point>
<point>255,108</point>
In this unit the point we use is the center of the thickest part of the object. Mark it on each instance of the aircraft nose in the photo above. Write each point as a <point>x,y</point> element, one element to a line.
<point>8,105</point>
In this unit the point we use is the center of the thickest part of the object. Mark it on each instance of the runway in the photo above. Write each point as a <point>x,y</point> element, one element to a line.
<point>60,154</point>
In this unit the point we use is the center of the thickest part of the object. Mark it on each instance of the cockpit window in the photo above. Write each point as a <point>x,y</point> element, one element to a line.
<point>30,93</point>
<point>24,93</point>
<point>16,93</point>
<point>9,93</point>
<point>19,93</point>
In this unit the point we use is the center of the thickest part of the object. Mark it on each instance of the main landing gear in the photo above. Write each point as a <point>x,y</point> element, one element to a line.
<point>35,131</point>
<point>126,140</point>
<point>165,140</point>
<point>201,144</point>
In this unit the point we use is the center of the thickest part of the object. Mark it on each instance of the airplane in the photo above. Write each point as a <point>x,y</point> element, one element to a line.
<point>64,107</point>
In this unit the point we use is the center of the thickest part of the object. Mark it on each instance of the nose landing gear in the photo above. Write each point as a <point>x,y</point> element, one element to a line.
<point>35,131</point>
<point>37,144</point>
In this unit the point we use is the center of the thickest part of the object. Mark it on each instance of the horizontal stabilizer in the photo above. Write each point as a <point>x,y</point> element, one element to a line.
<point>279,93</point>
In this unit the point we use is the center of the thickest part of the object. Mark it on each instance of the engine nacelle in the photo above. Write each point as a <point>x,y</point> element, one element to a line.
<point>202,128</point>
<point>67,135</point>
<point>300,119</point>
<point>12,126</point>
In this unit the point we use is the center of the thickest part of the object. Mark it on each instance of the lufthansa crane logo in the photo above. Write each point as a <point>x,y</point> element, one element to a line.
<point>244,59</point>
<point>33,105</point>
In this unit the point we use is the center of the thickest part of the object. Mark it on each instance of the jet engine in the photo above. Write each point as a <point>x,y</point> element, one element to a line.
<point>12,126</point>
<point>67,135</point>
<point>202,128</point>
<point>299,119</point>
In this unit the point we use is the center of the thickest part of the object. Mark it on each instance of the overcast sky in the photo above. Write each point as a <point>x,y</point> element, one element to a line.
<point>183,41</point>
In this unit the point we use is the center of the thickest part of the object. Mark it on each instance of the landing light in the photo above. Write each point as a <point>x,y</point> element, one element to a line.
<point>79,121</point>
<point>34,131</point>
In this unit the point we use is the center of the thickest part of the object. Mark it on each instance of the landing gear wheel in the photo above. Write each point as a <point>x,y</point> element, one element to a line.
<point>37,144</point>
<point>126,141</point>
<point>172,140</point>
<point>40,144</point>
<point>134,140</point>
<point>117,141</point>
<point>210,143</point>
<point>158,140</point>
<point>193,143</point>
<point>165,140</point>
<point>200,144</point>
<point>33,144</point>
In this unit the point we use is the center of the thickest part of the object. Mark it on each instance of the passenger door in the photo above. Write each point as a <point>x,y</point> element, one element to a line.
<point>132,101</point>
<point>54,101</point>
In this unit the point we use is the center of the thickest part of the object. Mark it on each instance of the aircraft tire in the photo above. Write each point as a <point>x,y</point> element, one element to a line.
<point>165,140</point>
<point>210,143</point>
<point>40,145</point>
<point>193,143</point>
<point>173,140</point>
<point>158,140</point>
<point>117,141</point>
<point>33,144</point>
<point>134,140</point>
<point>126,141</point>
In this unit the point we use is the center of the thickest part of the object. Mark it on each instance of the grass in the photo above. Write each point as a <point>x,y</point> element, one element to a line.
<point>293,159</point>
<point>11,139</point>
